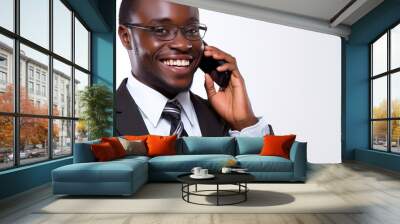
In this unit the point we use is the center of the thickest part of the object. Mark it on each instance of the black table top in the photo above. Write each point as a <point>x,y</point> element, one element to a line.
<point>220,178</point>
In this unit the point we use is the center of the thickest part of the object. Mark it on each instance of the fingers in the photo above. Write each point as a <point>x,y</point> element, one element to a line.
<point>209,86</point>
<point>227,67</point>
<point>218,54</point>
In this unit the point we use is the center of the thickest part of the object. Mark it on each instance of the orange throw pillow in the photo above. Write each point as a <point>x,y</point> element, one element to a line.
<point>161,145</point>
<point>277,145</point>
<point>103,151</point>
<point>135,137</point>
<point>116,145</point>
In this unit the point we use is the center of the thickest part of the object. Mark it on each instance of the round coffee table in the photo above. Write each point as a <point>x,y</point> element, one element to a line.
<point>238,179</point>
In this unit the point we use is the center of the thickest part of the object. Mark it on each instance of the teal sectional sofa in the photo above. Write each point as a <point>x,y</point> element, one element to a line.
<point>125,176</point>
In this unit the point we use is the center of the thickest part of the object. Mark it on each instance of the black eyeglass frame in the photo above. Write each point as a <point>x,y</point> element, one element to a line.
<point>181,28</point>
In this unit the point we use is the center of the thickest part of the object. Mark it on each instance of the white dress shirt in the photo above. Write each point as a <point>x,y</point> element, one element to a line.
<point>151,104</point>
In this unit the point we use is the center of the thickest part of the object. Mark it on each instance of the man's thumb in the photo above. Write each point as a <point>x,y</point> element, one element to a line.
<point>209,85</point>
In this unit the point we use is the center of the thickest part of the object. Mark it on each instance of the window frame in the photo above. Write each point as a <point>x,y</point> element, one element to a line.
<point>16,115</point>
<point>388,74</point>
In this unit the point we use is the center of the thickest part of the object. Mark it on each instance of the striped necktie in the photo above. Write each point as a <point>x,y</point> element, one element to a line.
<point>172,112</point>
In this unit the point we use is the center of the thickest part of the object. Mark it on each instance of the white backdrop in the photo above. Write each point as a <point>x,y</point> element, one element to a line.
<point>293,77</point>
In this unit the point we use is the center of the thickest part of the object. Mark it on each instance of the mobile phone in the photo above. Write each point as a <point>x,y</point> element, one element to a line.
<point>209,65</point>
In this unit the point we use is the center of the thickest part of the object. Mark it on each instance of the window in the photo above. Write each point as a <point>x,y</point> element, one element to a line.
<point>81,81</point>
<point>30,87</point>
<point>395,46</point>
<point>3,78</point>
<point>6,89</point>
<point>7,14</point>
<point>37,74</point>
<point>30,72</point>
<point>62,75</point>
<point>62,140</point>
<point>6,142</point>
<point>38,89</point>
<point>3,61</point>
<point>43,90</point>
<point>34,21</point>
<point>81,45</point>
<point>54,126</point>
<point>385,91</point>
<point>62,29</point>
<point>3,71</point>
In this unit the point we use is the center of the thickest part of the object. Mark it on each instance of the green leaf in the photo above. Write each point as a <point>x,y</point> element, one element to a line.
<point>96,102</point>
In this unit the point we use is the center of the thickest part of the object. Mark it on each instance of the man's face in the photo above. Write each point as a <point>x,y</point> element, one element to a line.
<point>151,61</point>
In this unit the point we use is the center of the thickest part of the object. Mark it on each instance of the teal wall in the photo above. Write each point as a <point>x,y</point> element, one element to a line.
<point>356,67</point>
<point>103,62</point>
<point>24,178</point>
<point>99,16</point>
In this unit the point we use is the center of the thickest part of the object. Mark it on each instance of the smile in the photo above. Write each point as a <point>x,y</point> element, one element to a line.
<point>177,63</point>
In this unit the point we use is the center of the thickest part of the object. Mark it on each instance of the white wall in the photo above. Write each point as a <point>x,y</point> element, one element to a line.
<point>293,77</point>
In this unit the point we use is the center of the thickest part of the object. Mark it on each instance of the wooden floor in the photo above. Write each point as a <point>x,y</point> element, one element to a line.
<point>378,188</point>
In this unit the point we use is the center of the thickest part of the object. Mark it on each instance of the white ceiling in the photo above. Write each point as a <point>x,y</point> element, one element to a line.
<point>316,15</point>
<point>321,9</point>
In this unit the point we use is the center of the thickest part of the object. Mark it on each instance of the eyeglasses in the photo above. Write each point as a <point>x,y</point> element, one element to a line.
<point>168,32</point>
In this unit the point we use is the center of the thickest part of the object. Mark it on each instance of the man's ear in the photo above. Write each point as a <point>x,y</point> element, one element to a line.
<point>124,36</point>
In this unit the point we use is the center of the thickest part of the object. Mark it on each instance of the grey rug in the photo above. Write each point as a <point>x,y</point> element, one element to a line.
<point>166,198</point>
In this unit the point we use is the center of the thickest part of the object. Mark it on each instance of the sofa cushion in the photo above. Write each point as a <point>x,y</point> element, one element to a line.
<point>257,163</point>
<point>277,145</point>
<point>208,145</point>
<point>116,145</point>
<point>111,171</point>
<point>132,158</point>
<point>103,152</point>
<point>134,147</point>
<point>185,163</point>
<point>135,137</point>
<point>249,145</point>
<point>161,145</point>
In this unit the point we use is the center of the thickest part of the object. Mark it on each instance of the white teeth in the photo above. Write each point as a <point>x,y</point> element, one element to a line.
<point>171,62</point>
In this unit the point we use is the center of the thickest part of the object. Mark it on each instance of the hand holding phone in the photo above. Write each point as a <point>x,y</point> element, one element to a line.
<point>209,65</point>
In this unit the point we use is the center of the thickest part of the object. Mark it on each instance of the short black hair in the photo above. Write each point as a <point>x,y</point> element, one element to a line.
<point>126,8</point>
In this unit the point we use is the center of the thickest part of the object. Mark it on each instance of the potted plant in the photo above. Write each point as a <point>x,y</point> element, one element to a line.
<point>96,102</point>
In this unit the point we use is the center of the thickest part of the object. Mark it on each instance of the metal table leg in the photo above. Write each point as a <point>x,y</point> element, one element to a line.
<point>217,194</point>
<point>245,194</point>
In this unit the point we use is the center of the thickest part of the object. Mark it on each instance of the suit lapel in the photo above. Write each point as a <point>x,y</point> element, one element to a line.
<point>210,123</point>
<point>129,120</point>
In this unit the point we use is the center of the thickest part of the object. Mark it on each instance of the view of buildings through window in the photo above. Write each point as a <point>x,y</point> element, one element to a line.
<point>385,91</point>
<point>41,83</point>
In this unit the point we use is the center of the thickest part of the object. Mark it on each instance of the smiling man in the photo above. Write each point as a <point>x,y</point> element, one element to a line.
<point>165,47</point>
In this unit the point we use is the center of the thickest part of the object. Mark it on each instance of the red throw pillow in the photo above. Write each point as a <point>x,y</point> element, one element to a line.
<point>103,151</point>
<point>116,145</point>
<point>277,145</point>
<point>161,145</point>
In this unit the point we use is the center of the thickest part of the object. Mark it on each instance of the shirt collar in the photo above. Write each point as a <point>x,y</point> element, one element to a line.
<point>187,106</point>
<point>152,103</point>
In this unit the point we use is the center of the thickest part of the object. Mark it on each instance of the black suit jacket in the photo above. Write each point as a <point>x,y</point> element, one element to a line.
<point>130,121</point>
